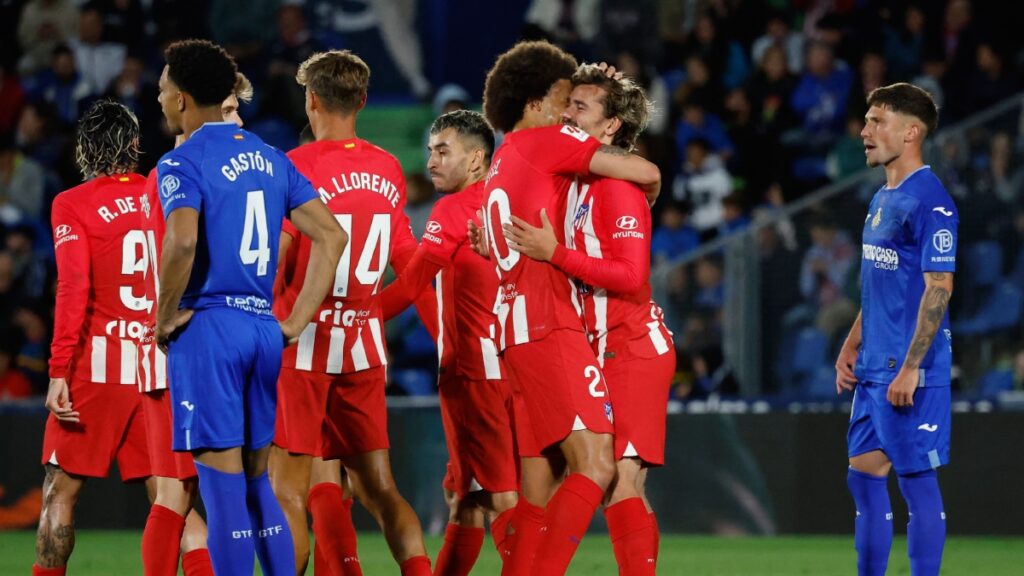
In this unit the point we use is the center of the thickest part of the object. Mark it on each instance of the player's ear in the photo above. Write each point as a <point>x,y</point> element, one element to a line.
<point>613,126</point>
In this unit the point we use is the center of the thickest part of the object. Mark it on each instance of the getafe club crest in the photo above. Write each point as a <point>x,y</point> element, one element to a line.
<point>877,219</point>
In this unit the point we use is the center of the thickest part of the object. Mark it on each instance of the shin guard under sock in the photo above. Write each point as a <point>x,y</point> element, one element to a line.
<point>272,536</point>
<point>161,541</point>
<point>229,529</point>
<point>926,529</point>
<point>566,520</point>
<point>629,527</point>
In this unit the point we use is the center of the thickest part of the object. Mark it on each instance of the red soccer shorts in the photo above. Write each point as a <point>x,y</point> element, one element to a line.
<point>163,461</point>
<point>640,389</point>
<point>562,390</point>
<point>112,426</point>
<point>357,415</point>
<point>477,418</point>
<point>301,408</point>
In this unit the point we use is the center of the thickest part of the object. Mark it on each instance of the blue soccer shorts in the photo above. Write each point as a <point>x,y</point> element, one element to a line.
<point>915,438</point>
<point>222,369</point>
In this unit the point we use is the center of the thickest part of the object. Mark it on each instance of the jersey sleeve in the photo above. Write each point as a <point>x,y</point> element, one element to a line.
<point>413,281</point>
<point>300,189</point>
<point>443,236</point>
<point>71,246</point>
<point>404,247</point>
<point>935,229</point>
<point>624,222</point>
<point>560,149</point>
<point>178,182</point>
<point>288,228</point>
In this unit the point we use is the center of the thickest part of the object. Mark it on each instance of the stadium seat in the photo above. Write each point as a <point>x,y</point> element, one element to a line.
<point>993,382</point>
<point>1001,311</point>
<point>985,262</point>
<point>809,356</point>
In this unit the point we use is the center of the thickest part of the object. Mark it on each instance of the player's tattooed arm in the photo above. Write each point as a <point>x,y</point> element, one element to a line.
<point>934,302</point>
<point>615,162</point>
<point>613,150</point>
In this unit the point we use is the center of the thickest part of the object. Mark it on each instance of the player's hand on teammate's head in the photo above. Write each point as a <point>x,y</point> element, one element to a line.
<point>610,71</point>
<point>478,236</point>
<point>845,380</point>
<point>166,328</point>
<point>58,401</point>
<point>537,243</point>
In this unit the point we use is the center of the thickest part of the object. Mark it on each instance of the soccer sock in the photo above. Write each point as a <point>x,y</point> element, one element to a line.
<point>229,530</point>
<point>197,563</point>
<point>499,532</point>
<point>629,527</point>
<point>926,530</point>
<point>161,541</point>
<point>567,517</point>
<point>527,522</point>
<point>873,525</point>
<point>416,566</point>
<point>270,528</point>
<point>55,571</point>
<point>460,550</point>
<point>655,536</point>
<point>333,529</point>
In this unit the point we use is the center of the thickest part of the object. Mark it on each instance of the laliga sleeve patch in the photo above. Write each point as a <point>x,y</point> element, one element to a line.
<point>575,133</point>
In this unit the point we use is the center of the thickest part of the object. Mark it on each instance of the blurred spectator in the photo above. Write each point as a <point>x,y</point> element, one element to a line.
<point>702,183</point>
<point>295,43</point>
<point>243,33</point>
<point>710,293</point>
<point>178,19</point>
<point>904,43</point>
<point>770,89</point>
<point>933,70</point>
<point>824,274</point>
<point>734,215</point>
<point>98,61</point>
<point>30,270</point>
<point>990,83</point>
<point>628,26</point>
<point>847,156</point>
<point>11,297</point>
<point>61,85</point>
<point>572,24</point>
<point>420,198</point>
<point>772,204</point>
<point>697,122</point>
<point>44,25</point>
<point>12,98</point>
<point>449,98</point>
<point>820,97</point>
<point>780,270</point>
<point>725,58</point>
<point>872,73</point>
<point>13,384</point>
<point>1004,175</point>
<point>777,33</point>
<point>653,84</point>
<point>698,85</point>
<point>21,184</point>
<point>960,40</point>
<point>122,21</point>
<point>38,135</point>
<point>674,236</point>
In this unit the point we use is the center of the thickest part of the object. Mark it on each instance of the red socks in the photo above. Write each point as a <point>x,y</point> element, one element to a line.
<point>461,549</point>
<point>197,563</point>
<point>416,566</point>
<point>58,571</point>
<point>629,527</point>
<point>320,565</point>
<point>161,540</point>
<point>527,522</point>
<point>567,518</point>
<point>332,526</point>
<point>499,532</point>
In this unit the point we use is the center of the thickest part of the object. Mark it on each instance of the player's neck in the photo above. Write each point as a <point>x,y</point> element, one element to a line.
<point>898,170</point>
<point>336,128</point>
<point>192,122</point>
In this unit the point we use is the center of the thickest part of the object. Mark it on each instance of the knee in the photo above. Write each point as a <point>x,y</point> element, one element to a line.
<point>503,501</point>
<point>59,489</point>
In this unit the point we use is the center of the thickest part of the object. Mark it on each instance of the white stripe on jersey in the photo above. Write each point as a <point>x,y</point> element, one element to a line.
<point>161,368</point>
<point>98,361</point>
<point>492,369</point>
<point>128,359</point>
<point>359,361</point>
<point>600,297</point>
<point>378,341</point>
<point>304,354</point>
<point>440,318</point>
<point>660,345</point>
<point>522,328</point>
<point>146,374</point>
<point>335,350</point>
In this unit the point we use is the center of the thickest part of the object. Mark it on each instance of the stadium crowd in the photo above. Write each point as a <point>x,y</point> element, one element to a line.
<point>758,103</point>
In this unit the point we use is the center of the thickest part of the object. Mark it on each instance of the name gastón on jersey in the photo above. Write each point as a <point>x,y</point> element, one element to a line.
<point>244,162</point>
<point>361,181</point>
<point>884,258</point>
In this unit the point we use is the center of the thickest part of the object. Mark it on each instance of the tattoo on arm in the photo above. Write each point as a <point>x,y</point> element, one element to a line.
<point>929,317</point>
<point>613,150</point>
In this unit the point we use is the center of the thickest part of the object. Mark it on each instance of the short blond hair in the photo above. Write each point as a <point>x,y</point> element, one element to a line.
<point>243,88</point>
<point>623,99</point>
<point>338,77</point>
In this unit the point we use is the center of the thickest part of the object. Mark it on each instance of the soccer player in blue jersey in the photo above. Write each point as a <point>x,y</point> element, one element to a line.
<point>898,355</point>
<point>224,194</point>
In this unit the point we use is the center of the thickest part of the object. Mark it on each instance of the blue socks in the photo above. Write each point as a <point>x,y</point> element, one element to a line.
<point>230,537</point>
<point>926,530</point>
<point>873,526</point>
<point>273,538</point>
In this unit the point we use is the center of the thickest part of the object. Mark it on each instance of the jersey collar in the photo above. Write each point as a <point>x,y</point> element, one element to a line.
<point>907,177</point>
<point>205,124</point>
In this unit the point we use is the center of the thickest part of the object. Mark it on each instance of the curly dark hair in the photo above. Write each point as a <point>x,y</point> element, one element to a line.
<point>522,75</point>
<point>107,140</point>
<point>467,124</point>
<point>202,69</point>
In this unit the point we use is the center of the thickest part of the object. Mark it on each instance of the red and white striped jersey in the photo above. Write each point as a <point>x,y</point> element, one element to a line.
<point>103,261</point>
<point>533,169</point>
<point>364,187</point>
<point>152,362</point>
<point>608,239</point>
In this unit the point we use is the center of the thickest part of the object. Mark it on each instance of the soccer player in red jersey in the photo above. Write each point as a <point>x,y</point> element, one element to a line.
<point>102,261</point>
<point>607,250</point>
<point>563,412</point>
<point>332,403</point>
<point>171,519</point>
<point>476,401</point>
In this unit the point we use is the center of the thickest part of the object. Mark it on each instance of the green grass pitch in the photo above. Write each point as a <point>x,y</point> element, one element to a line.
<point>112,553</point>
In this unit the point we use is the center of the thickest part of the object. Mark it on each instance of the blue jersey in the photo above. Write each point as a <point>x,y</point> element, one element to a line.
<point>243,189</point>
<point>910,230</point>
